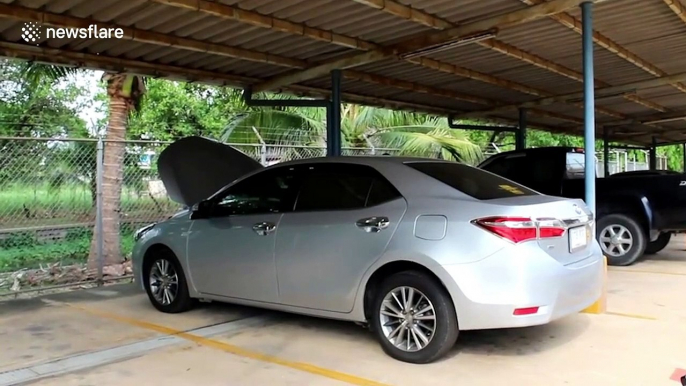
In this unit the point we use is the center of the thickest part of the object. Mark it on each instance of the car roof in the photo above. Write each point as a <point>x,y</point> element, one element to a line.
<point>363,160</point>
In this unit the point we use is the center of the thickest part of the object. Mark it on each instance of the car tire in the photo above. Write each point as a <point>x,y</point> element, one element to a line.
<point>438,315</point>
<point>656,246</point>
<point>623,226</point>
<point>164,271</point>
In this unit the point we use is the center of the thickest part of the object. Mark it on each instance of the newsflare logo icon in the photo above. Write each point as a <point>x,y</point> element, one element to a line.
<point>31,32</point>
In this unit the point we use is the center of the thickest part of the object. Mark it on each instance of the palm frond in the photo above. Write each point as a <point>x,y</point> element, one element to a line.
<point>35,73</point>
<point>274,126</point>
<point>437,142</point>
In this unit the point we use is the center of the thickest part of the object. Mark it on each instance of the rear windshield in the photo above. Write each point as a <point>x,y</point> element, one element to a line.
<point>576,165</point>
<point>471,181</point>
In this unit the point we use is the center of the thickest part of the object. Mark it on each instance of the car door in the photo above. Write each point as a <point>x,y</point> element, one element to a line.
<point>344,217</point>
<point>231,249</point>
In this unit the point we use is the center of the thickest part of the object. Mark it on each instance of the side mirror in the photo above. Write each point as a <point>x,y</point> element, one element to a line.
<point>201,210</point>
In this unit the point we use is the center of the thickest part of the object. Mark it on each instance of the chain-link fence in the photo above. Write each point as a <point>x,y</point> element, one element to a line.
<point>49,191</point>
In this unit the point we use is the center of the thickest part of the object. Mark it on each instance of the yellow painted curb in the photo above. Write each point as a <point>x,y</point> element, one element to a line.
<point>600,306</point>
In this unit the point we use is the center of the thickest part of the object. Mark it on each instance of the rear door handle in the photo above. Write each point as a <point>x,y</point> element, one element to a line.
<point>373,224</point>
<point>264,228</point>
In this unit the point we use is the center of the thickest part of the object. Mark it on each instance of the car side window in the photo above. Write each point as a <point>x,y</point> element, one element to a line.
<point>382,191</point>
<point>342,187</point>
<point>270,191</point>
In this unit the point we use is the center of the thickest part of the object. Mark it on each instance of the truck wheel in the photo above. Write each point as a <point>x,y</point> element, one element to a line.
<point>621,238</point>
<point>656,246</point>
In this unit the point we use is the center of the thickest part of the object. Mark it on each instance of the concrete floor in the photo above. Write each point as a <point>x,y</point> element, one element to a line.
<point>112,336</point>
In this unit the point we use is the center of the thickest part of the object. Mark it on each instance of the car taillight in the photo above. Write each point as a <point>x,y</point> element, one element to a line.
<point>519,229</point>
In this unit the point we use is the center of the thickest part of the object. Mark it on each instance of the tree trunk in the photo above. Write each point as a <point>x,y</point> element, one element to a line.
<point>113,171</point>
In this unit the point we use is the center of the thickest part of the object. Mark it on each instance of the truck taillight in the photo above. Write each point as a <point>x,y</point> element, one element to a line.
<point>520,229</point>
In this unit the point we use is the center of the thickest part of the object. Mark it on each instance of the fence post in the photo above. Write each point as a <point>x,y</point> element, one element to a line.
<point>263,147</point>
<point>98,210</point>
<point>371,145</point>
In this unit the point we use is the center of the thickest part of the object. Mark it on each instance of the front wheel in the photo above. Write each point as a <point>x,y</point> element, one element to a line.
<point>621,238</point>
<point>659,244</point>
<point>414,318</point>
<point>165,283</point>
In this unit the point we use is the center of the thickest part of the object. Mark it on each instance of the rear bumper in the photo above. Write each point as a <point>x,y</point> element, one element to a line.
<point>487,292</point>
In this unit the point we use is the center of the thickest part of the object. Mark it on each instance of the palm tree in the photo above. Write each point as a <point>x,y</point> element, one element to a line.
<point>292,132</point>
<point>125,92</point>
<point>413,134</point>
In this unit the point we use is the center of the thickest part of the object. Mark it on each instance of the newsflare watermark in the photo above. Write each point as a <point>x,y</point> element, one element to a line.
<point>33,32</point>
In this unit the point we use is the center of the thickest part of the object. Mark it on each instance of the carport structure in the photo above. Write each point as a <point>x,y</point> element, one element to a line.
<point>510,63</point>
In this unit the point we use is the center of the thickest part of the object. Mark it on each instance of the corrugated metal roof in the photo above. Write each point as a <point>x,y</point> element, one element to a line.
<point>647,29</point>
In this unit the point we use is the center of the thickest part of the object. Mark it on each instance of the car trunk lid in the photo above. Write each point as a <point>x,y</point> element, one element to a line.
<point>194,168</point>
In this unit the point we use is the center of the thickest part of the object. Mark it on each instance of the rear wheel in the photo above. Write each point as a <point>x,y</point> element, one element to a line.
<point>621,238</point>
<point>414,318</point>
<point>165,282</point>
<point>659,244</point>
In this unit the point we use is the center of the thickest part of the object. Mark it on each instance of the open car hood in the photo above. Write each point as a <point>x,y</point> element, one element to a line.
<point>194,168</point>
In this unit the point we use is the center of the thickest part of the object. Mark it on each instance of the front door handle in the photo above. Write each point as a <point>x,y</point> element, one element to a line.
<point>264,228</point>
<point>373,224</point>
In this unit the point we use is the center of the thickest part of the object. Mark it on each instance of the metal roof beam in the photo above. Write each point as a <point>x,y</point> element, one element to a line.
<point>657,118</point>
<point>155,70</point>
<point>600,93</point>
<point>419,16</point>
<point>545,64</point>
<point>407,12</point>
<point>678,8</point>
<point>573,23</point>
<point>435,38</point>
<point>143,36</point>
<point>411,86</point>
<point>26,14</point>
<point>134,34</point>
<point>229,12</point>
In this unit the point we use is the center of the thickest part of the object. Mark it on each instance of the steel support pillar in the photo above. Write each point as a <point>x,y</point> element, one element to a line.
<point>606,153</point>
<point>520,135</point>
<point>333,123</point>
<point>589,104</point>
<point>653,155</point>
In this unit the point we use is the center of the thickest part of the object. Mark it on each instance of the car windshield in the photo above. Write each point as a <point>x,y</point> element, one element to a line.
<point>474,182</point>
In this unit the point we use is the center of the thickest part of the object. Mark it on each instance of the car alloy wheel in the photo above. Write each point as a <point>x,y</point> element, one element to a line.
<point>408,319</point>
<point>616,240</point>
<point>164,282</point>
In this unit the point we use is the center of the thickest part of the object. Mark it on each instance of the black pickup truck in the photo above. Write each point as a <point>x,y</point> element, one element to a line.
<point>636,213</point>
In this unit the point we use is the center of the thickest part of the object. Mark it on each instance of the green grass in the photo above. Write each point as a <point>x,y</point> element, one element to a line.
<point>22,205</point>
<point>22,251</point>
<point>69,204</point>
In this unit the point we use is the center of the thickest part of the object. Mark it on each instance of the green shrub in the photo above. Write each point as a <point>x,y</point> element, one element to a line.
<point>17,240</point>
<point>74,249</point>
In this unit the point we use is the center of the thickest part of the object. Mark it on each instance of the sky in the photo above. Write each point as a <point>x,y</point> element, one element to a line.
<point>89,81</point>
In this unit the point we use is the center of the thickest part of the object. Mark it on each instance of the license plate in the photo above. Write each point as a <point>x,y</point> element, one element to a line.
<point>577,238</point>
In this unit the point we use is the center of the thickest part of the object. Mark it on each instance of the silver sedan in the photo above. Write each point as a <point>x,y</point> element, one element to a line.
<point>416,249</point>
